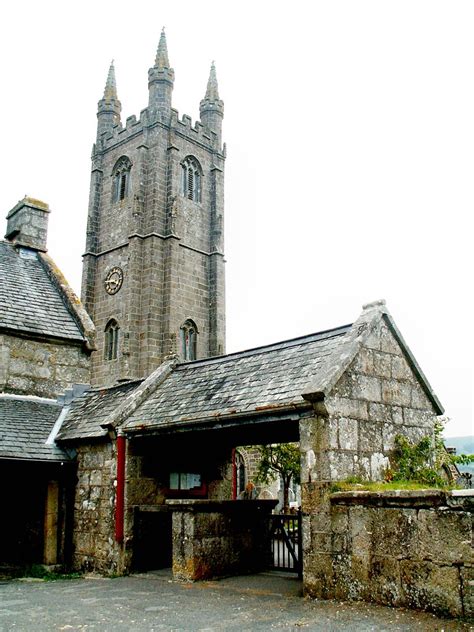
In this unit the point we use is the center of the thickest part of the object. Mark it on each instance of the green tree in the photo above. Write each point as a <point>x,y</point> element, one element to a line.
<point>279,459</point>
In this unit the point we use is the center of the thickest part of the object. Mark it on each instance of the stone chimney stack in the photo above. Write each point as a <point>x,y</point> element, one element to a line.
<point>27,224</point>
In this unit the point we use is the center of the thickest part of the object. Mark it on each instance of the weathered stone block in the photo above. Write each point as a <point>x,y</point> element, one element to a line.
<point>364,362</point>
<point>318,576</point>
<point>400,369</point>
<point>322,542</point>
<point>395,533</point>
<point>382,364</point>
<point>378,466</point>
<point>388,344</point>
<point>385,576</point>
<point>419,399</point>
<point>341,465</point>
<point>360,521</point>
<point>466,574</point>
<point>348,434</point>
<point>367,388</point>
<point>339,519</point>
<point>389,433</point>
<point>380,412</point>
<point>431,587</point>
<point>333,433</point>
<point>446,536</point>
<point>370,437</point>
<point>397,414</point>
<point>362,466</point>
<point>414,417</point>
<point>142,491</point>
<point>396,392</point>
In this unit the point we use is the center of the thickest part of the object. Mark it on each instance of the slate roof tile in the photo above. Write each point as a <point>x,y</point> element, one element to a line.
<point>29,300</point>
<point>91,409</point>
<point>25,425</point>
<point>267,377</point>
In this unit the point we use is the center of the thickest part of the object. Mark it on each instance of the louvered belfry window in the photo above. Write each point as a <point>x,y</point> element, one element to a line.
<point>191,179</point>
<point>121,176</point>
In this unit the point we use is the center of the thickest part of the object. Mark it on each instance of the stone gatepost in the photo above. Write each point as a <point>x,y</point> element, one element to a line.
<point>51,523</point>
<point>315,505</point>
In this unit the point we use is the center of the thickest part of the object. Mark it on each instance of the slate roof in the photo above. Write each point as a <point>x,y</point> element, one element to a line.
<point>265,379</point>
<point>29,300</point>
<point>25,425</point>
<point>270,380</point>
<point>91,409</point>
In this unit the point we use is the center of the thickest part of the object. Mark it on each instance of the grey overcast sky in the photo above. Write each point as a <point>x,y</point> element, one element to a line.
<point>350,137</point>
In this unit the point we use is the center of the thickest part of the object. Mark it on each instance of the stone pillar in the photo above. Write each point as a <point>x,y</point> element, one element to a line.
<point>315,491</point>
<point>51,523</point>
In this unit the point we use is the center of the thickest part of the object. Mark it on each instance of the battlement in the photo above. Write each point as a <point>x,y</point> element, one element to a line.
<point>184,126</point>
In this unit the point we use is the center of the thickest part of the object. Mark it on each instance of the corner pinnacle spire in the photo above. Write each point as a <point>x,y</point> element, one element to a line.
<point>161,59</point>
<point>109,107</point>
<point>211,107</point>
<point>212,91</point>
<point>110,91</point>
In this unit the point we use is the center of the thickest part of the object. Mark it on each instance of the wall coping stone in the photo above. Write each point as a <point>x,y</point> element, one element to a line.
<point>459,499</point>
<point>203,505</point>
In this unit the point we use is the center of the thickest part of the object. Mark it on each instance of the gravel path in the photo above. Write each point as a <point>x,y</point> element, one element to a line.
<point>153,602</point>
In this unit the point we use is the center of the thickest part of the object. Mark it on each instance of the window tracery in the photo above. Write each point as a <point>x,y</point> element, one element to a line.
<point>191,178</point>
<point>111,340</point>
<point>121,175</point>
<point>188,333</point>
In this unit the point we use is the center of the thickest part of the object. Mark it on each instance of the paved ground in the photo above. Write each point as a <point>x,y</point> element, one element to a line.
<point>153,602</point>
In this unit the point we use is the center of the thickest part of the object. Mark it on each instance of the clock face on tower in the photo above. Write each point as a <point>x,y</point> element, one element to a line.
<point>113,280</point>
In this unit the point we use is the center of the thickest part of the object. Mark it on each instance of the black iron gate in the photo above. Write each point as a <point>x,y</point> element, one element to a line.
<point>286,543</point>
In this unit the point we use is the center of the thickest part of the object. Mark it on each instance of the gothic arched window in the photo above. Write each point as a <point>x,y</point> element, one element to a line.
<point>191,176</point>
<point>121,176</point>
<point>188,333</point>
<point>240,472</point>
<point>111,338</point>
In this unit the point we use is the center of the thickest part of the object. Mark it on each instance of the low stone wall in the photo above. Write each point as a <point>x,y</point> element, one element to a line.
<point>219,538</point>
<point>412,549</point>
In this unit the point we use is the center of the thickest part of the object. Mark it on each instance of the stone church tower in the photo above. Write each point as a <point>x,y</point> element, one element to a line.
<point>153,271</point>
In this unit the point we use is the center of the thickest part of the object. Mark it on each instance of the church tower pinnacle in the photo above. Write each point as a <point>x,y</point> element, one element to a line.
<point>109,107</point>
<point>211,107</point>
<point>153,277</point>
<point>160,82</point>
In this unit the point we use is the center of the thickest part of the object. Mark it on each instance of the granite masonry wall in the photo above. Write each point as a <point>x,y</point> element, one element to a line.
<point>216,539</point>
<point>40,368</point>
<point>94,546</point>
<point>352,435</point>
<point>146,491</point>
<point>411,549</point>
<point>354,428</point>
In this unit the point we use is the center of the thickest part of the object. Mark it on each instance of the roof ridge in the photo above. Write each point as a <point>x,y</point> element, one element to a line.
<point>98,389</point>
<point>274,346</point>
<point>29,398</point>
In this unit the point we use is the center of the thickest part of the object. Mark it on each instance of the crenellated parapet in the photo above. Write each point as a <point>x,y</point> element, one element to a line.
<point>207,131</point>
<point>181,125</point>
